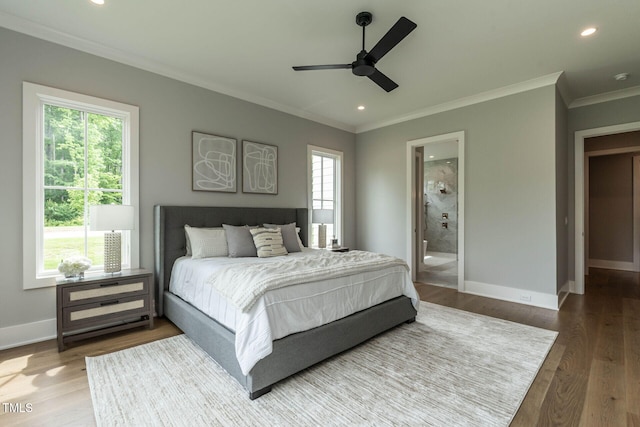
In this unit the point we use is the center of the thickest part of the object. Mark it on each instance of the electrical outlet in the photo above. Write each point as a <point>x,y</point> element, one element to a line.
<point>525,297</point>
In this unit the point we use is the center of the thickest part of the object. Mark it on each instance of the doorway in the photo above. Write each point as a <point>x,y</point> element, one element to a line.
<point>435,192</point>
<point>581,217</point>
<point>612,198</point>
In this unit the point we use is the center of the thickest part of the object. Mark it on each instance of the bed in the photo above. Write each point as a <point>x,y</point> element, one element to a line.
<point>288,354</point>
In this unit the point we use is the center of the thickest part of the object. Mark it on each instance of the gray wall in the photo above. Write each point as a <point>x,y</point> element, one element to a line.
<point>562,194</point>
<point>169,111</point>
<point>625,110</point>
<point>510,187</point>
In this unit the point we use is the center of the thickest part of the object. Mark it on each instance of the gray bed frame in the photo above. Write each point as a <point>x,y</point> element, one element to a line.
<point>290,354</point>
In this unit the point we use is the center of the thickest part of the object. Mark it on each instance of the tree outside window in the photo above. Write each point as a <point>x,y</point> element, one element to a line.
<point>82,167</point>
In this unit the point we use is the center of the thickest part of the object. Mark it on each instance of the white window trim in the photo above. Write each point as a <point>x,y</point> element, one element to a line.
<point>338,203</point>
<point>33,97</point>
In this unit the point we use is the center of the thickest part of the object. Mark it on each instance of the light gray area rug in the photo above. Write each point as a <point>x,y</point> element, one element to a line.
<point>448,368</point>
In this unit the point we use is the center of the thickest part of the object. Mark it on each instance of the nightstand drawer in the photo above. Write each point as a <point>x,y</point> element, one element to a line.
<point>100,312</point>
<point>93,292</point>
<point>98,305</point>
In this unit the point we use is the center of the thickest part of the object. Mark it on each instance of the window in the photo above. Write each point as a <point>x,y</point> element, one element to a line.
<point>325,191</point>
<point>77,151</point>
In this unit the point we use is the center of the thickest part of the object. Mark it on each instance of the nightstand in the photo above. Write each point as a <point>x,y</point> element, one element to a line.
<point>102,304</point>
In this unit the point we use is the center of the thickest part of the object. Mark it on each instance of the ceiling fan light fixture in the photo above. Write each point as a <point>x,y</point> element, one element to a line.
<point>588,31</point>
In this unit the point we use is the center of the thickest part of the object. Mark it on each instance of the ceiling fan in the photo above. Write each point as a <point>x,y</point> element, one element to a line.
<point>365,62</point>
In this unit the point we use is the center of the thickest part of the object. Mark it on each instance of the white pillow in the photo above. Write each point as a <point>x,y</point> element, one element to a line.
<point>268,242</point>
<point>206,242</point>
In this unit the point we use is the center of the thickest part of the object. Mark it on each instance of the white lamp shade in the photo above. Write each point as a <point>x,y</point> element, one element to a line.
<point>111,217</point>
<point>322,216</point>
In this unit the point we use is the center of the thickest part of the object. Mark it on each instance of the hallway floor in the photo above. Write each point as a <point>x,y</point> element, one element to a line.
<point>439,268</point>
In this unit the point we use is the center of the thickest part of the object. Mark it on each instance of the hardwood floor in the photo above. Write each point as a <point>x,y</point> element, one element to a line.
<point>591,376</point>
<point>55,384</point>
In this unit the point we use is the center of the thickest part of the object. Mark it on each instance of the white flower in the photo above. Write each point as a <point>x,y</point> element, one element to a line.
<point>74,265</point>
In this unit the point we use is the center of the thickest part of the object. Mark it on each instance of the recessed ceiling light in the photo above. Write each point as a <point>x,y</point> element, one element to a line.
<point>621,77</point>
<point>101,2</point>
<point>432,157</point>
<point>588,31</point>
<point>360,107</point>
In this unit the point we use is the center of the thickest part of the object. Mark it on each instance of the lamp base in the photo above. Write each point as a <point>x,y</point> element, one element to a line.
<point>112,252</point>
<point>322,236</point>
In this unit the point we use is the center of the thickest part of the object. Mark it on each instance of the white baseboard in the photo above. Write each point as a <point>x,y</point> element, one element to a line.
<point>521,296</point>
<point>612,265</point>
<point>15,336</point>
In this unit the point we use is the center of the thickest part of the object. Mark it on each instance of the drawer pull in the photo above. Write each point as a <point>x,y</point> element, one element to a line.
<point>104,285</point>
<point>102,304</point>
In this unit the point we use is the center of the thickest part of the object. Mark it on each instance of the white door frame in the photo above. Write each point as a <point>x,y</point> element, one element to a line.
<point>579,180</point>
<point>418,253</point>
<point>411,220</point>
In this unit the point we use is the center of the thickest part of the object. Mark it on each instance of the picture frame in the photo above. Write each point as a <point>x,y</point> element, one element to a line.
<point>213,163</point>
<point>259,168</point>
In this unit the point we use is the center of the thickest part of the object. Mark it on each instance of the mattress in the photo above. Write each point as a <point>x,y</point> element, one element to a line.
<point>284,311</point>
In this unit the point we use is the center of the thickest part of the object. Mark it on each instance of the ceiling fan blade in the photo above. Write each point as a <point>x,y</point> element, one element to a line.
<point>322,67</point>
<point>399,31</point>
<point>383,81</point>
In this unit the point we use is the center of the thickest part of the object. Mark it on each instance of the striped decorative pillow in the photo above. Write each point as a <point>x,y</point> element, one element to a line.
<point>268,242</point>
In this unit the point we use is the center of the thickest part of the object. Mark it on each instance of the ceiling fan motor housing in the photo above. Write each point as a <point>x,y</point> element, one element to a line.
<point>363,66</point>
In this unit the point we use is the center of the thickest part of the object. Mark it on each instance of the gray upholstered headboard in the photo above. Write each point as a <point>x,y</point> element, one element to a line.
<point>170,242</point>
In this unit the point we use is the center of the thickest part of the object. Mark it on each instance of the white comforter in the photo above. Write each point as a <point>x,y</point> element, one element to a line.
<point>290,309</point>
<point>243,284</point>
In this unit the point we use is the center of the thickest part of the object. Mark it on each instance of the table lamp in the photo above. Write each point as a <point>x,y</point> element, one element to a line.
<point>110,218</point>
<point>322,217</point>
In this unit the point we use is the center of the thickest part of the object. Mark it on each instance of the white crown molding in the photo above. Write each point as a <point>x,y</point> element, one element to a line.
<point>563,89</point>
<point>549,79</point>
<point>33,29</point>
<point>606,97</point>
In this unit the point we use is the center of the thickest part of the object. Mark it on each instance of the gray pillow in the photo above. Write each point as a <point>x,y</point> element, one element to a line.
<point>240,241</point>
<point>289,236</point>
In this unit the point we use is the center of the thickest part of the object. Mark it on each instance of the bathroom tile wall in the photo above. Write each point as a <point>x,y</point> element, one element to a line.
<point>441,196</point>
